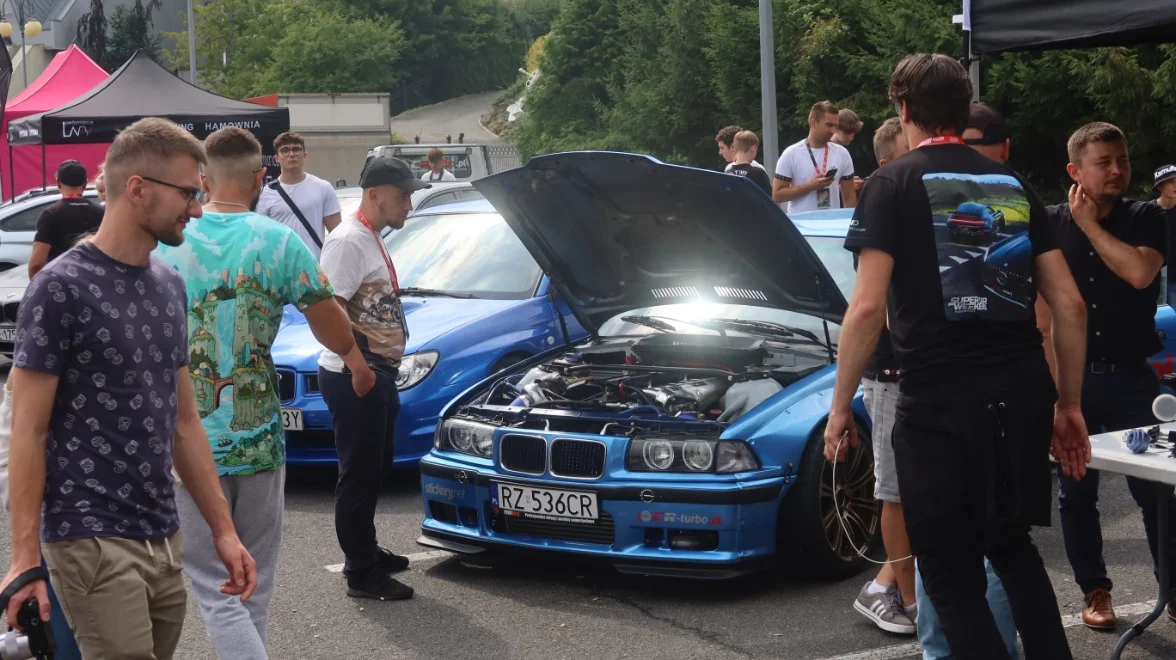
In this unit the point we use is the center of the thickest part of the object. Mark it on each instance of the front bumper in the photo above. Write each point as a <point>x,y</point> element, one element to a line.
<point>690,528</point>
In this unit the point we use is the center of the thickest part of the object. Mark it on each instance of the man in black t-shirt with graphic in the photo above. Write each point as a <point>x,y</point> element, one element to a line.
<point>746,144</point>
<point>66,220</point>
<point>962,245</point>
<point>1115,247</point>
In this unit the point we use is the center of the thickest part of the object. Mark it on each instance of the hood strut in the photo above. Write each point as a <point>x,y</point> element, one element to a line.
<point>824,321</point>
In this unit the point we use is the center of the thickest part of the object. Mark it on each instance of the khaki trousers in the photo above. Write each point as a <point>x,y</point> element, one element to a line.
<point>124,599</point>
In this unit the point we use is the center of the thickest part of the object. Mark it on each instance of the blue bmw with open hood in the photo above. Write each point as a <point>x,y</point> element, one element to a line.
<point>684,435</point>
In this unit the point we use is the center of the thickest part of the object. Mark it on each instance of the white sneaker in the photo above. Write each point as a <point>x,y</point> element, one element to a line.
<point>885,610</point>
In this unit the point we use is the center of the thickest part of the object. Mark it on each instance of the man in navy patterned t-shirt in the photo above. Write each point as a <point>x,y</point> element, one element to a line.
<point>104,410</point>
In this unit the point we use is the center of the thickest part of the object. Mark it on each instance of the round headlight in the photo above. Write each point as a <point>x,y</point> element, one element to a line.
<point>658,454</point>
<point>698,455</point>
<point>462,437</point>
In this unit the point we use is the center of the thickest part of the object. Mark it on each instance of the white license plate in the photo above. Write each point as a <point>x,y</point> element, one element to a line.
<point>545,502</point>
<point>7,334</point>
<point>291,419</point>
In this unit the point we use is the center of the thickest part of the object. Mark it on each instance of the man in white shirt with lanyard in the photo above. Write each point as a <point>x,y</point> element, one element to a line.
<point>808,170</point>
<point>364,404</point>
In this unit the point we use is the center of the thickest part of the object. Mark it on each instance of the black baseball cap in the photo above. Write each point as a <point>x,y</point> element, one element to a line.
<point>1165,173</point>
<point>71,173</point>
<point>389,171</point>
<point>989,122</point>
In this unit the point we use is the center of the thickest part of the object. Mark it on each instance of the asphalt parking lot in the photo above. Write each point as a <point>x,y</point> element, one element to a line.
<point>551,612</point>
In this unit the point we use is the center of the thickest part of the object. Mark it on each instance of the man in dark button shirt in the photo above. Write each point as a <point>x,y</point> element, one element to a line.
<point>1115,247</point>
<point>1166,186</point>
<point>960,245</point>
<point>66,220</point>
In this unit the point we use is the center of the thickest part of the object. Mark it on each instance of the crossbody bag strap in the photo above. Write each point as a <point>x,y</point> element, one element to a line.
<point>277,186</point>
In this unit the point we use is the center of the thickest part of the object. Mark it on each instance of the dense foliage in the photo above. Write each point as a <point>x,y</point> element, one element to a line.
<point>661,76</point>
<point>110,43</point>
<point>420,50</point>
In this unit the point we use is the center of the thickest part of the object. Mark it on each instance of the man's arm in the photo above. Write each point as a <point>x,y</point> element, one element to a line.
<point>38,258</point>
<point>193,462</point>
<point>332,221</point>
<point>1045,327</point>
<point>860,333</point>
<point>33,394</point>
<point>1071,442</point>
<point>848,193</point>
<point>784,191</point>
<point>1138,266</point>
<point>330,326</point>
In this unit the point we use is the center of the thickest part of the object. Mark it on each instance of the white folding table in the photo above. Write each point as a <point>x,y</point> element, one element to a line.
<point>1109,453</point>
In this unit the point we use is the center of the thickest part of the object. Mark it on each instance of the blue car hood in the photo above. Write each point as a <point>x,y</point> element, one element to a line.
<point>621,231</point>
<point>427,319</point>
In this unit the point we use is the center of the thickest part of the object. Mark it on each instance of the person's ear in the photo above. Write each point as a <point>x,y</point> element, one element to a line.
<point>1074,173</point>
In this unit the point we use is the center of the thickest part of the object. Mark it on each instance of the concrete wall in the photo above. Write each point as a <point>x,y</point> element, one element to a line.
<point>339,130</point>
<point>340,155</point>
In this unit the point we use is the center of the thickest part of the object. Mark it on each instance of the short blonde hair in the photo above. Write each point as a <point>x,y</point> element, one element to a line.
<point>822,108</point>
<point>146,146</point>
<point>745,141</point>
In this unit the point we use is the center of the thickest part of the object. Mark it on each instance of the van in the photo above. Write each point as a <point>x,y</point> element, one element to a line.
<point>467,162</point>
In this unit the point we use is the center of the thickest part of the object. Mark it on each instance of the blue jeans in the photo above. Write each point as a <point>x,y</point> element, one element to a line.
<point>67,648</point>
<point>931,636</point>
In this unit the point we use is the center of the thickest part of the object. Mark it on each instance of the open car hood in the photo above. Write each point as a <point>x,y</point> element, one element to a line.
<point>619,231</point>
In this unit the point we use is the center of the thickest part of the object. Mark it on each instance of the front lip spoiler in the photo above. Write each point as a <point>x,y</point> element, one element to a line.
<point>432,538</point>
<point>624,493</point>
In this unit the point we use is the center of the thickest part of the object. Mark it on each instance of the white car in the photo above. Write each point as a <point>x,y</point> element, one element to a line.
<point>441,193</point>
<point>18,224</point>
<point>12,287</point>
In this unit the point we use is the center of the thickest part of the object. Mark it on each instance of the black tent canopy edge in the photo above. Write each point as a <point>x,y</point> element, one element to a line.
<point>142,85</point>
<point>1012,25</point>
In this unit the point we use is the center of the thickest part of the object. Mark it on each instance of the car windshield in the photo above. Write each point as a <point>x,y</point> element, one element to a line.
<point>837,260</point>
<point>475,254</point>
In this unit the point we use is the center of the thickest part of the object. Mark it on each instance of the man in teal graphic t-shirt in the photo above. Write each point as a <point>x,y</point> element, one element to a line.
<point>240,270</point>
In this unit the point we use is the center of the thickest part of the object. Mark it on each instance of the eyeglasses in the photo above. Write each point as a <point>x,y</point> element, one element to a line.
<point>190,194</point>
<point>291,151</point>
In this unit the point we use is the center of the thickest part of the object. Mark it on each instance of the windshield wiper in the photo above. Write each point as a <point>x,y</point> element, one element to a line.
<point>436,293</point>
<point>767,327</point>
<point>650,322</point>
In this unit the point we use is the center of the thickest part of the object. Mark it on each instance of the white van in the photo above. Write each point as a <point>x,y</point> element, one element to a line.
<point>467,162</point>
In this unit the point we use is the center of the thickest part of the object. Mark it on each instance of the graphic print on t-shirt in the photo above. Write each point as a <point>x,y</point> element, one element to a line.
<point>981,225</point>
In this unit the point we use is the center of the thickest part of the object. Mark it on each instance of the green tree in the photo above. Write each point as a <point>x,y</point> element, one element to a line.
<point>327,52</point>
<point>131,29</point>
<point>91,36</point>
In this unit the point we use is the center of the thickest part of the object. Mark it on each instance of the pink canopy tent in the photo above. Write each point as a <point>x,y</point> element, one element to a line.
<point>71,74</point>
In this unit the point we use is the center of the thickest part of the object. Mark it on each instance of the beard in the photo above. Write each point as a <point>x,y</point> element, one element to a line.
<point>391,220</point>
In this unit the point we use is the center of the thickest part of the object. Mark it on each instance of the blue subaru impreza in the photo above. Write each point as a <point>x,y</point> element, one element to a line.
<point>684,435</point>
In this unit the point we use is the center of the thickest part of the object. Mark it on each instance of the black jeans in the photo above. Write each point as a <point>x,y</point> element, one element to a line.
<point>1110,402</point>
<point>972,454</point>
<point>364,429</point>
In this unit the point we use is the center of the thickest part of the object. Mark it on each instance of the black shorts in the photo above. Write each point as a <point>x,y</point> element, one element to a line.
<point>972,455</point>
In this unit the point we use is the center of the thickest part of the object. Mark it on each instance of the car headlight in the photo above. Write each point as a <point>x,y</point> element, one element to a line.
<point>465,437</point>
<point>414,368</point>
<point>695,455</point>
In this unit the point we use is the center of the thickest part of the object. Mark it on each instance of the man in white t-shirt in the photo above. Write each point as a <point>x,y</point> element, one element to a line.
<point>314,198</point>
<point>726,141</point>
<point>358,266</point>
<point>437,171</point>
<point>809,171</point>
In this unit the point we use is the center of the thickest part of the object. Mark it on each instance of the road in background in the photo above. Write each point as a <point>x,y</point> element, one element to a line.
<point>448,118</point>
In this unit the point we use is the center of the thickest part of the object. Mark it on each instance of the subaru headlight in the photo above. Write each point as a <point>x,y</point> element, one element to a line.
<point>465,437</point>
<point>654,454</point>
<point>414,368</point>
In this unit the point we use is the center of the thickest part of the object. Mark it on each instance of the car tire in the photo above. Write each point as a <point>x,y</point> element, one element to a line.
<point>802,541</point>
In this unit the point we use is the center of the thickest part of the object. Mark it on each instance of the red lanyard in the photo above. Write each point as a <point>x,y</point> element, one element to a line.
<point>941,139</point>
<point>824,164</point>
<point>383,251</point>
<point>71,196</point>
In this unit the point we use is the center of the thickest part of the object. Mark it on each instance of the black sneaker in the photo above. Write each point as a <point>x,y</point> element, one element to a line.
<point>377,585</point>
<point>390,562</point>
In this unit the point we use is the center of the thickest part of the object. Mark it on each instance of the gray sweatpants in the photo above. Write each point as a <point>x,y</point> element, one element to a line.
<point>257,502</point>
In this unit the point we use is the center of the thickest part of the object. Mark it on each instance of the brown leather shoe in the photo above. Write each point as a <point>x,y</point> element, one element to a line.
<point>1098,613</point>
<point>1172,611</point>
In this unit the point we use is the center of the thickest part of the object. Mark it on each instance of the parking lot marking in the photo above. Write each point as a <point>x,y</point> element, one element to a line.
<point>412,559</point>
<point>915,649</point>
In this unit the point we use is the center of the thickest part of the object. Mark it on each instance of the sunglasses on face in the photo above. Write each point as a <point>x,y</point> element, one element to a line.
<point>190,194</point>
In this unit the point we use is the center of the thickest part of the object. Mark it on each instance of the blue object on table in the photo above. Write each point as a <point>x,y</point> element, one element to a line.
<point>1138,440</point>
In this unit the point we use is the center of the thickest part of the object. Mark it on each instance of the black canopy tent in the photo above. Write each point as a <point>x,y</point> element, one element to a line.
<point>142,88</point>
<point>1008,25</point>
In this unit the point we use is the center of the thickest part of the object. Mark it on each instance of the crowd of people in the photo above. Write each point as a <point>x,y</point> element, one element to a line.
<point>142,306</point>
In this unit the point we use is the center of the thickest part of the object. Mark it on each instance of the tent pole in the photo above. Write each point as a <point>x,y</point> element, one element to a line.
<point>11,175</point>
<point>973,69</point>
<point>44,168</point>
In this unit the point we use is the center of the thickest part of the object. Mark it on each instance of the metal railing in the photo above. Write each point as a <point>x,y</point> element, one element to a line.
<point>500,156</point>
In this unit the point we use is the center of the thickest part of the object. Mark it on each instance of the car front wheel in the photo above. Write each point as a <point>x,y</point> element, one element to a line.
<point>814,533</point>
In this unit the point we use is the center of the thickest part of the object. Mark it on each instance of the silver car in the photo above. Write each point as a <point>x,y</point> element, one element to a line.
<point>442,192</point>
<point>18,224</point>
<point>12,287</point>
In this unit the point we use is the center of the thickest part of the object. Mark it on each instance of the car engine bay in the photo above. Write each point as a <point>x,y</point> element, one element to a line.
<point>669,377</point>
